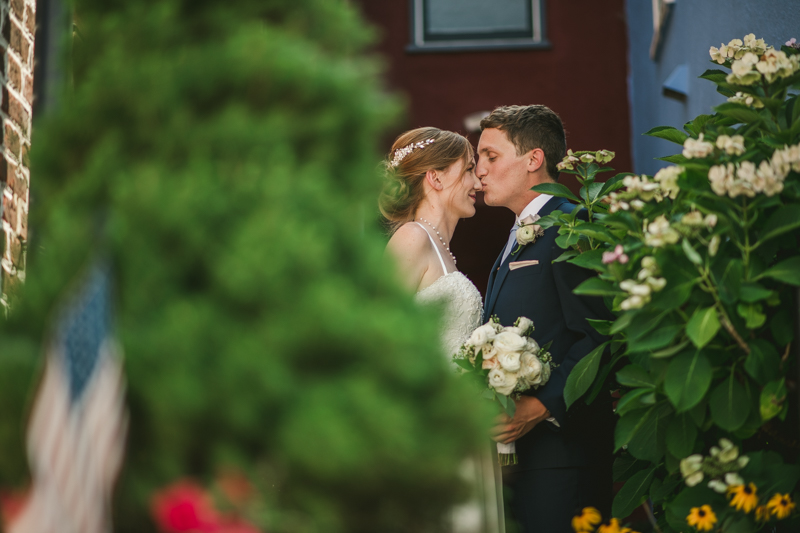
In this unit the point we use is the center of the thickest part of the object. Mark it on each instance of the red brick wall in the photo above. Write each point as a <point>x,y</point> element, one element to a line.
<point>17,28</point>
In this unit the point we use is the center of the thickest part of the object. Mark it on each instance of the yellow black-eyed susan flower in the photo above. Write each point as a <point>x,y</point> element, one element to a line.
<point>781,505</point>
<point>702,518</point>
<point>743,497</point>
<point>613,527</point>
<point>762,513</point>
<point>587,520</point>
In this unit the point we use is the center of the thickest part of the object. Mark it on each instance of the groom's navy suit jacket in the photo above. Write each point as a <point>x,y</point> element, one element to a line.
<point>543,293</point>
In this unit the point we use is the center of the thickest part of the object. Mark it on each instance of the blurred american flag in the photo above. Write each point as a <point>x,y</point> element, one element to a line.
<point>78,423</point>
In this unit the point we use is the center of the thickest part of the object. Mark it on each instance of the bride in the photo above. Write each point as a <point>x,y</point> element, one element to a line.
<point>430,185</point>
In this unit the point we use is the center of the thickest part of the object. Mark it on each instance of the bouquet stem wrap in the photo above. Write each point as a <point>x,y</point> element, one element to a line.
<point>507,453</point>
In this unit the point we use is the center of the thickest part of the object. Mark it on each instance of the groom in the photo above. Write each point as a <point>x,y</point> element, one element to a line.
<point>564,457</point>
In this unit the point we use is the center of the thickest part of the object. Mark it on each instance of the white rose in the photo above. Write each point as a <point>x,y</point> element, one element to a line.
<point>526,234</point>
<point>488,351</point>
<point>507,341</point>
<point>531,368</point>
<point>502,382</point>
<point>546,369</point>
<point>482,335</point>
<point>510,361</point>
<point>513,329</point>
<point>524,323</point>
<point>531,346</point>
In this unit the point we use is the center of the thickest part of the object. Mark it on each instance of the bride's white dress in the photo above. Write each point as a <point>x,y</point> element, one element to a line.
<point>462,303</point>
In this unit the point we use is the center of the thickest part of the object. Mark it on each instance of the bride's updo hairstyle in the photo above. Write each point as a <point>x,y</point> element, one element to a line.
<point>413,154</point>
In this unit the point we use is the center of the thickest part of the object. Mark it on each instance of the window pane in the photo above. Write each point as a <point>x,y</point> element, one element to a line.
<point>447,17</point>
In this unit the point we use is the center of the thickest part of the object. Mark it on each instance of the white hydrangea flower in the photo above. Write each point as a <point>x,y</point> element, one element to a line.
<point>692,469</point>
<point>776,64</point>
<point>717,54</point>
<point>746,99</point>
<point>693,219</point>
<point>659,233</point>
<point>667,178</point>
<point>693,148</point>
<point>731,145</point>
<point>641,187</point>
<point>713,245</point>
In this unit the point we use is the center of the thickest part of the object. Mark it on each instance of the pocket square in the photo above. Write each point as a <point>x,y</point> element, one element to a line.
<point>513,265</point>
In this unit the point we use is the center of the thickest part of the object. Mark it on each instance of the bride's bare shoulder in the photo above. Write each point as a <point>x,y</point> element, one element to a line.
<point>409,238</point>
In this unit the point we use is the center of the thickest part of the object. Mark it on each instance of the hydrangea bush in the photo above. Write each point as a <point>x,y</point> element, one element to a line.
<point>222,156</point>
<point>700,264</point>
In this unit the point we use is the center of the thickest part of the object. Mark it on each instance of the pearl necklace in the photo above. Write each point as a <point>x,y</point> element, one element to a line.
<point>440,238</point>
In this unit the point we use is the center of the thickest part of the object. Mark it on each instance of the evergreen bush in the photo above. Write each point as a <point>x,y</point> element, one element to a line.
<point>223,156</point>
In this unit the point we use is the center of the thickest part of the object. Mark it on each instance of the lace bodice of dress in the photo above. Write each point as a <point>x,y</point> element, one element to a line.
<point>462,308</point>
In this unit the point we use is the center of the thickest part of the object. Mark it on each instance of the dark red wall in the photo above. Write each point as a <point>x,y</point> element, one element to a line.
<point>582,77</point>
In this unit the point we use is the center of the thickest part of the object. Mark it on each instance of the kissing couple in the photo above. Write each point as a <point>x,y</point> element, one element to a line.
<point>433,177</point>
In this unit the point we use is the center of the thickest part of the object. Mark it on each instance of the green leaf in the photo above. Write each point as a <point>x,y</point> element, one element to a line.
<point>752,314</point>
<point>622,322</point>
<point>625,465</point>
<point>772,398</point>
<point>463,363</point>
<point>594,190</point>
<point>739,112</point>
<point>763,362</point>
<point>633,493</point>
<point>787,218</point>
<point>615,183</point>
<point>666,488</point>
<point>677,159</point>
<point>731,281</point>
<point>630,401</point>
<point>602,327</point>
<point>596,287</point>
<point>670,351</point>
<point>647,442</point>
<point>687,380</point>
<point>729,404</point>
<point>592,259</point>
<point>634,376</point>
<point>690,252</point>
<point>569,254</point>
<point>703,326</point>
<point>668,133</point>
<point>715,75</point>
<point>556,189</point>
<point>681,434</point>
<point>787,271</point>
<point>595,231</point>
<point>582,375</point>
<point>653,341</point>
<point>753,292</point>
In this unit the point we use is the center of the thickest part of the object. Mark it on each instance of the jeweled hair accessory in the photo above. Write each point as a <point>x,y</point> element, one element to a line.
<point>401,153</point>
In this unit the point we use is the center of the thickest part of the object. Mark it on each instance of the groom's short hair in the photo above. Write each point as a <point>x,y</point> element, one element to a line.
<point>529,127</point>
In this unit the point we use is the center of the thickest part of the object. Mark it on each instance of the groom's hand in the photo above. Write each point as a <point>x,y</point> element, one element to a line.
<point>530,411</point>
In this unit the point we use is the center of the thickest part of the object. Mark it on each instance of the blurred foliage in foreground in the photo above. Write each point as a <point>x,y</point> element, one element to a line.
<point>222,154</point>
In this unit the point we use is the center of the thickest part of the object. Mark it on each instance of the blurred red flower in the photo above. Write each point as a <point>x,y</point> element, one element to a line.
<point>185,507</point>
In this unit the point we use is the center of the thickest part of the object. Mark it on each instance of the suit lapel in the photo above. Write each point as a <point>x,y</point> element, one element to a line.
<point>498,276</point>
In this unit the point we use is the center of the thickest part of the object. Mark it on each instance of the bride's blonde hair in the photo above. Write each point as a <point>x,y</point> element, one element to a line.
<point>412,155</point>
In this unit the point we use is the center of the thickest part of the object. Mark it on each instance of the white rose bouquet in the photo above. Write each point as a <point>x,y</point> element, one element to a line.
<point>505,361</point>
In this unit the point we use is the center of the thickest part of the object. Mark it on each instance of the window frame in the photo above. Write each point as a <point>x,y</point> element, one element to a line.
<point>466,42</point>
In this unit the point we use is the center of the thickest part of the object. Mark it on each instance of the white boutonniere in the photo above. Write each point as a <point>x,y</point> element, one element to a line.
<point>528,231</point>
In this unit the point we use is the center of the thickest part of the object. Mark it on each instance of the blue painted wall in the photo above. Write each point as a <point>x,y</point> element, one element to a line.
<point>694,27</point>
